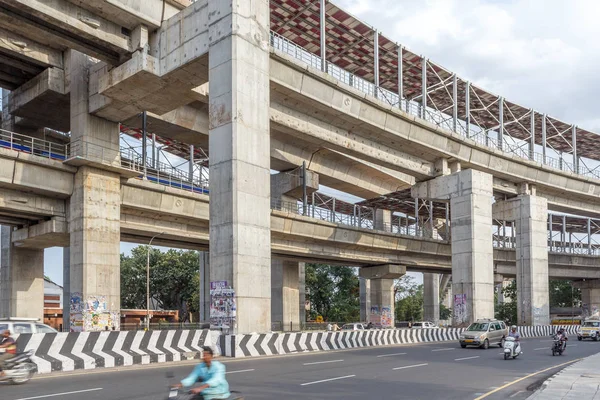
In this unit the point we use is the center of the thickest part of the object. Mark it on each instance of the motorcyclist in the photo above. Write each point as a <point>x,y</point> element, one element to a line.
<point>8,346</point>
<point>562,335</point>
<point>212,375</point>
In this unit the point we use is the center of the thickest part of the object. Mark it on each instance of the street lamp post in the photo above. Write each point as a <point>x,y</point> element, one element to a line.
<point>148,282</point>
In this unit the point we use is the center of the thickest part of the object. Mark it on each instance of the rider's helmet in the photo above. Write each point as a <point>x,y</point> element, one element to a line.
<point>513,328</point>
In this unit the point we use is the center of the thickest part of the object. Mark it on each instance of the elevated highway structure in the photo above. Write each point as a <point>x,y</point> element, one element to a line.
<point>453,179</point>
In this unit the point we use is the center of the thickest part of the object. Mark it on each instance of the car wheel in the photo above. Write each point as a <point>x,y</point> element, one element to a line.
<point>595,338</point>
<point>486,344</point>
<point>464,346</point>
<point>579,338</point>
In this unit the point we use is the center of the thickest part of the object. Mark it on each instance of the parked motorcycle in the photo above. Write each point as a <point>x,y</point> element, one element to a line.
<point>557,346</point>
<point>512,348</point>
<point>20,368</point>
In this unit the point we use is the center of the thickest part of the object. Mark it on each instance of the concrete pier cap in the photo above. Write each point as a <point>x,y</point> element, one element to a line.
<point>388,271</point>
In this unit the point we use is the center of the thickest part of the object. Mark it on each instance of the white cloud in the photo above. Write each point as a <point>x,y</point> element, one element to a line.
<point>538,53</point>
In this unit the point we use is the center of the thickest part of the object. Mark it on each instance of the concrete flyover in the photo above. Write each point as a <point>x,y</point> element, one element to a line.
<point>452,178</point>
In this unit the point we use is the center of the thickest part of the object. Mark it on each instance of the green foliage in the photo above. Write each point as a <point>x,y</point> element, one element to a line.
<point>445,312</point>
<point>409,303</point>
<point>333,292</point>
<point>173,279</point>
<point>563,294</point>
<point>507,311</point>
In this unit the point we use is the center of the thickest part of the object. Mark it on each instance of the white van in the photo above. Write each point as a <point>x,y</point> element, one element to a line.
<point>18,326</point>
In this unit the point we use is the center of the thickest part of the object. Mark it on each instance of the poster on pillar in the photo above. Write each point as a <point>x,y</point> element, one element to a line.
<point>386,317</point>
<point>222,305</point>
<point>375,316</point>
<point>76,312</point>
<point>460,308</point>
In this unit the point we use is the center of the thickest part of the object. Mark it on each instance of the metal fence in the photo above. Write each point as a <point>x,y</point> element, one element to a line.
<point>31,145</point>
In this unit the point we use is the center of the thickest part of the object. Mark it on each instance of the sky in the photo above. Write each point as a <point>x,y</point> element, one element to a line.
<point>541,54</point>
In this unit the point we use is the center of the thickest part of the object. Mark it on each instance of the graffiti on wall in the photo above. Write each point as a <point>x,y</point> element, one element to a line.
<point>460,308</point>
<point>222,305</point>
<point>386,317</point>
<point>92,314</point>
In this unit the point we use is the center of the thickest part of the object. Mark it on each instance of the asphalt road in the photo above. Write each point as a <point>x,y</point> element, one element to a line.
<point>423,371</point>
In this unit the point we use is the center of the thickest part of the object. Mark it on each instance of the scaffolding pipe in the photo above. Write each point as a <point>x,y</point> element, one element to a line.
<point>154,151</point>
<point>454,103</point>
<point>304,192</point>
<point>400,75</point>
<point>323,35</point>
<point>589,235</point>
<point>144,144</point>
<point>468,108</point>
<point>564,232</point>
<point>574,146</point>
<point>501,120</point>
<point>544,116</point>
<point>423,87</point>
<point>376,61</point>
<point>532,137</point>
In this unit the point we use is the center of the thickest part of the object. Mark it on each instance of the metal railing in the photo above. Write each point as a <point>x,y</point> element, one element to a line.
<point>31,145</point>
<point>436,117</point>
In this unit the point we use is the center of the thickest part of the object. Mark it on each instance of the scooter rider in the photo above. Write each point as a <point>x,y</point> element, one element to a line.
<point>514,333</point>
<point>9,347</point>
<point>212,375</point>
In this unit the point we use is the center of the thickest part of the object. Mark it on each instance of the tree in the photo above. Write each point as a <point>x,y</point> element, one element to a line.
<point>445,312</point>
<point>409,299</point>
<point>563,294</point>
<point>333,292</point>
<point>173,279</point>
<point>507,311</point>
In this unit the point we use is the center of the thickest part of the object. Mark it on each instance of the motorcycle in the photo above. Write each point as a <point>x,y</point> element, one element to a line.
<point>20,369</point>
<point>512,348</point>
<point>557,346</point>
<point>176,393</point>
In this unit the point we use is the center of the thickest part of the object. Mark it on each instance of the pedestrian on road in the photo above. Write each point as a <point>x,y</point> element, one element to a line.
<point>336,327</point>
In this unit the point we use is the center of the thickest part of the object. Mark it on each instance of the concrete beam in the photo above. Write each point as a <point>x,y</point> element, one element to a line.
<point>44,100</point>
<point>54,232</point>
<point>388,271</point>
<point>162,79</point>
<point>32,55</point>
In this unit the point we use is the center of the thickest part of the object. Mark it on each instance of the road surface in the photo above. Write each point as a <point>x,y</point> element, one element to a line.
<point>422,371</point>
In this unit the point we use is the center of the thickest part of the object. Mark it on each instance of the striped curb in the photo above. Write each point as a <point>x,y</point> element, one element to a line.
<point>91,350</point>
<point>269,344</point>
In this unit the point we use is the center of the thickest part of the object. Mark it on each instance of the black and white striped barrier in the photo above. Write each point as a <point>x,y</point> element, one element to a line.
<point>268,344</point>
<point>90,350</point>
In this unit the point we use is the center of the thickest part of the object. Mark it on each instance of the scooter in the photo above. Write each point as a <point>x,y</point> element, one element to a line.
<point>557,346</point>
<point>512,348</point>
<point>176,393</point>
<point>20,369</point>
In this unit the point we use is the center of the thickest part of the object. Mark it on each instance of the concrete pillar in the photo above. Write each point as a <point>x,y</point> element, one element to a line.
<point>590,296</point>
<point>66,289</point>
<point>383,220</point>
<point>204,286</point>
<point>533,301</point>
<point>470,196</point>
<point>285,295</point>
<point>302,292</point>
<point>381,309</point>
<point>365,299</point>
<point>94,213</point>
<point>22,280</point>
<point>382,297</point>
<point>431,297</point>
<point>239,145</point>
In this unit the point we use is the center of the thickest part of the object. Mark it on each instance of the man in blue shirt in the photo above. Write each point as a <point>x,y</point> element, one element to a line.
<point>212,375</point>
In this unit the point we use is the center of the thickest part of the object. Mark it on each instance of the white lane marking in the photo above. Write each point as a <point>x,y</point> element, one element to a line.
<point>571,345</point>
<point>238,371</point>
<point>541,348</point>
<point>323,362</point>
<point>60,394</point>
<point>448,349</point>
<point>328,380</point>
<point>410,366</point>
<point>465,358</point>
<point>391,355</point>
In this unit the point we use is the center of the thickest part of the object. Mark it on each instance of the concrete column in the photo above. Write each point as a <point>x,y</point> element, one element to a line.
<point>382,297</point>
<point>204,286</point>
<point>383,220</point>
<point>239,144</point>
<point>590,296</point>
<point>381,309</point>
<point>365,299</point>
<point>470,195</point>
<point>66,289</point>
<point>431,297</point>
<point>285,295</point>
<point>533,301</point>
<point>94,213</point>
<point>302,292</point>
<point>22,280</point>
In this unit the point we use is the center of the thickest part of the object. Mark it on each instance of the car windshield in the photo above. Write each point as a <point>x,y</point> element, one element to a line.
<point>592,324</point>
<point>477,327</point>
